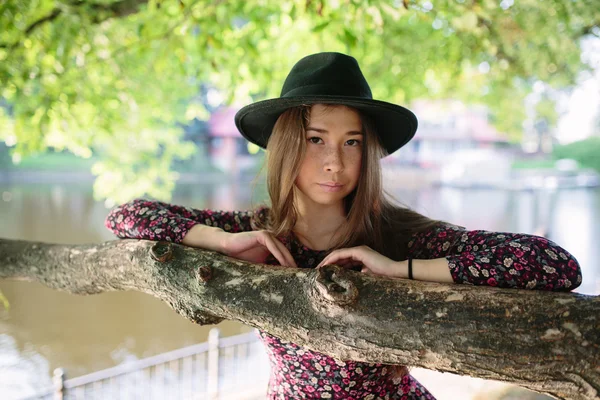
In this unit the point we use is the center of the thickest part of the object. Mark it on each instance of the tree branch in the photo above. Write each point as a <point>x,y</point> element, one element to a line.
<point>119,9</point>
<point>547,342</point>
<point>591,29</point>
<point>55,13</point>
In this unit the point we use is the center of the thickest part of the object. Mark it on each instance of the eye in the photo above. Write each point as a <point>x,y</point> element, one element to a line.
<point>315,139</point>
<point>353,142</point>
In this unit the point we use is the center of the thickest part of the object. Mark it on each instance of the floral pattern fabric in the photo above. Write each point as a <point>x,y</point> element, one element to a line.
<point>476,257</point>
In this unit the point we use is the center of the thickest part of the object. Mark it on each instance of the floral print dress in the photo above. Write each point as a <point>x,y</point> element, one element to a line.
<point>474,257</point>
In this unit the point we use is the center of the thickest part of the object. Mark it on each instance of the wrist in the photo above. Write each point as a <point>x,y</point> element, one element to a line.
<point>221,240</point>
<point>205,237</point>
<point>432,270</point>
<point>401,269</point>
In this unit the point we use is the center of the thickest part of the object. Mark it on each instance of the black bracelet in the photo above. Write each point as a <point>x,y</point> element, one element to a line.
<point>410,275</point>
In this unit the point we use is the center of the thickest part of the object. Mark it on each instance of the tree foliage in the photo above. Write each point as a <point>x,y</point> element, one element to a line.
<point>583,151</point>
<point>120,77</point>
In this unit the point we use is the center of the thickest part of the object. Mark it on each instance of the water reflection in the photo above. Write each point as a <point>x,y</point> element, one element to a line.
<point>22,370</point>
<point>84,334</point>
<point>576,224</point>
<point>45,329</point>
<point>571,218</point>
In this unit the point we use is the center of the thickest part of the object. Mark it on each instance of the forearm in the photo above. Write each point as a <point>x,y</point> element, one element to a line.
<point>502,259</point>
<point>149,220</point>
<point>434,270</point>
<point>204,237</point>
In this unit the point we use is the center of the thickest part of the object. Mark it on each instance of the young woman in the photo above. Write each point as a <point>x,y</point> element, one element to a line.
<point>324,138</point>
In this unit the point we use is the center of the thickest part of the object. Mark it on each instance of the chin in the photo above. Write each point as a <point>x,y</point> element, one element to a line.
<point>328,203</point>
<point>328,200</point>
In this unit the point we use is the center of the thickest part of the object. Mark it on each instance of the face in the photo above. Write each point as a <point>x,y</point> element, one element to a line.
<point>331,165</point>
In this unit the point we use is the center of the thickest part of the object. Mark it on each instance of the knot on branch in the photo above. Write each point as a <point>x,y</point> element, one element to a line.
<point>204,274</point>
<point>204,318</point>
<point>162,251</point>
<point>197,316</point>
<point>334,284</point>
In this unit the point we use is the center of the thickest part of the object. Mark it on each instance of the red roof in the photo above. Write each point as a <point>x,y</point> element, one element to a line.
<point>222,124</point>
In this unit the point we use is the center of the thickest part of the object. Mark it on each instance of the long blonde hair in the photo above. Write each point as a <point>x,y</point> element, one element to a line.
<point>372,218</point>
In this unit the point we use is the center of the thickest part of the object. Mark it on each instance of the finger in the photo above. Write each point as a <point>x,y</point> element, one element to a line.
<point>286,253</point>
<point>322,263</point>
<point>357,267</point>
<point>268,242</point>
<point>342,262</point>
<point>326,260</point>
<point>367,271</point>
<point>337,255</point>
<point>347,262</point>
<point>280,252</point>
<point>353,264</point>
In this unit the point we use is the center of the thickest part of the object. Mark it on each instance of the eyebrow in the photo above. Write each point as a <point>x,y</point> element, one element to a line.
<point>350,133</point>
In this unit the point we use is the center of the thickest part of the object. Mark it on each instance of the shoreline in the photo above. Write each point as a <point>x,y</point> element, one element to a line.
<point>408,177</point>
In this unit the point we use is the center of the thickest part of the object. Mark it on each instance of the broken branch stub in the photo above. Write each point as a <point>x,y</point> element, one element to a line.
<point>204,274</point>
<point>162,251</point>
<point>335,284</point>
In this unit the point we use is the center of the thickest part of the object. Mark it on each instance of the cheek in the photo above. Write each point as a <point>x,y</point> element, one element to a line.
<point>354,163</point>
<point>312,160</point>
<point>306,168</point>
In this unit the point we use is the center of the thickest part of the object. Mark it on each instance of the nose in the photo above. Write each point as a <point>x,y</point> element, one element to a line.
<point>333,161</point>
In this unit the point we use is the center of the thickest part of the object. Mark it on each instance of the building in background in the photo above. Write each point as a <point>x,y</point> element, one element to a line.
<point>448,128</point>
<point>228,150</point>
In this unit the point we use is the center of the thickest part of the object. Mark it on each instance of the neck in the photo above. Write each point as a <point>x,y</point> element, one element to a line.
<point>317,224</point>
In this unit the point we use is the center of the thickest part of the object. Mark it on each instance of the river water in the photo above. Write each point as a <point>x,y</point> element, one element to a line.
<point>44,329</point>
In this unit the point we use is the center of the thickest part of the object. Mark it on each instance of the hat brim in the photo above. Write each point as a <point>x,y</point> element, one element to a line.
<point>395,125</point>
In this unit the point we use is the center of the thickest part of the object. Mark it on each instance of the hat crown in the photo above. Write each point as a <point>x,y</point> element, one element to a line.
<point>326,74</point>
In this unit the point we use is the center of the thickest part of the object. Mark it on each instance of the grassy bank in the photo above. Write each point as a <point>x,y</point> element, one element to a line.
<point>55,162</point>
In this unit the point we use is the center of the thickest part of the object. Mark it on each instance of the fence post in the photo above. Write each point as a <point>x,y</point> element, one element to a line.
<point>213,363</point>
<point>59,383</point>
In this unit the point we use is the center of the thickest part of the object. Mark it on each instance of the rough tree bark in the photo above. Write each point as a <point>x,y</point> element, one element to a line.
<point>547,342</point>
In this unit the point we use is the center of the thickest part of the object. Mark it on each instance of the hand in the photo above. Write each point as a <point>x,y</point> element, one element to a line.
<point>255,247</point>
<point>371,261</point>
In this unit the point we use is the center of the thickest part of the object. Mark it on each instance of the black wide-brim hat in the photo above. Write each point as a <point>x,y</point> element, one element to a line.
<point>328,78</point>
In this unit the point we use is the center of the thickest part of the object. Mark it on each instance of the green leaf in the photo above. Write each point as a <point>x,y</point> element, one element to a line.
<point>320,27</point>
<point>349,38</point>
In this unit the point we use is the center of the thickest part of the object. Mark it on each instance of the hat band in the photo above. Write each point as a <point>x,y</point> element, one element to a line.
<point>329,90</point>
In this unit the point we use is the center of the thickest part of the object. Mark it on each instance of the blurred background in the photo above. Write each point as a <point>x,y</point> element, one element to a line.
<point>105,101</point>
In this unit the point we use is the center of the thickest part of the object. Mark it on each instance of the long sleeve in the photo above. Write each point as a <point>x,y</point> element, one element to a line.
<point>155,220</point>
<point>499,259</point>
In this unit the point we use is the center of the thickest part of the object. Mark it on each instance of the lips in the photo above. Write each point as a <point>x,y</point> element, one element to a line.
<point>331,186</point>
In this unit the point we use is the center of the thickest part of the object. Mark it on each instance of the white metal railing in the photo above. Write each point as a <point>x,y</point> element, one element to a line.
<point>235,367</point>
